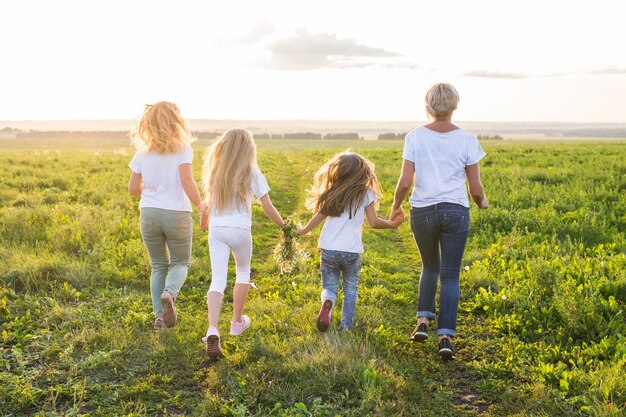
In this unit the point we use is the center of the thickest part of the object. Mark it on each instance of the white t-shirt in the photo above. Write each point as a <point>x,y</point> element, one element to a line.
<point>343,233</point>
<point>440,160</point>
<point>241,217</point>
<point>161,180</point>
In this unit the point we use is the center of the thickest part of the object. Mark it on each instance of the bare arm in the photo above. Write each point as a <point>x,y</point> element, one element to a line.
<point>205,209</point>
<point>477,191</point>
<point>405,182</point>
<point>135,184</point>
<point>189,184</point>
<point>378,223</point>
<point>313,223</point>
<point>271,211</point>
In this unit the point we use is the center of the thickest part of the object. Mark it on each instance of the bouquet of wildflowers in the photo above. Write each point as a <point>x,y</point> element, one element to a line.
<point>288,254</point>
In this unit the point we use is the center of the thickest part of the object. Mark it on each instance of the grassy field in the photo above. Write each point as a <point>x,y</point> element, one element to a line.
<point>542,330</point>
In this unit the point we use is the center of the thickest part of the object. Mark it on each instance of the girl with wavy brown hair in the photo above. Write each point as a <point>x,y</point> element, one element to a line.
<point>345,192</point>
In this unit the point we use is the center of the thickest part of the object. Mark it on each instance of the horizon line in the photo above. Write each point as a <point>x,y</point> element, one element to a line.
<point>317,120</point>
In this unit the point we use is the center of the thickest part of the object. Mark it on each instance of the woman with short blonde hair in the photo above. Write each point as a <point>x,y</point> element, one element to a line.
<point>439,158</point>
<point>441,100</point>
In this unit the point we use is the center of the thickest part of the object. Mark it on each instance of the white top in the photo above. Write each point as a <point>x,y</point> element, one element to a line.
<point>343,233</point>
<point>161,180</point>
<point>241,217</point>
<point>440,160</point>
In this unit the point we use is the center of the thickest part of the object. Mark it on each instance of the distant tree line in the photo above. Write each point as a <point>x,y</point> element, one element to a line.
<point>308,135</point>
<point>489,137</point>
<point>209,135</point>
<point>596,133</point>
<point>391,136</point>
<point>67,134</point>
<point>206,135</point>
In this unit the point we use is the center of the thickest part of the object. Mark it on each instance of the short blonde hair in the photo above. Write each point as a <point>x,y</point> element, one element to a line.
<point>441,100</point>
<point>161,128</point>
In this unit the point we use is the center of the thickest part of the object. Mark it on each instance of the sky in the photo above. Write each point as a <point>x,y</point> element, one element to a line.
<point>341,60</point>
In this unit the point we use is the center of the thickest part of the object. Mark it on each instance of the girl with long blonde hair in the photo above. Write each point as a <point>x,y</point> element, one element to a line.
<point>345,192</point>
<point>231,179</point>
<point>162,175</point>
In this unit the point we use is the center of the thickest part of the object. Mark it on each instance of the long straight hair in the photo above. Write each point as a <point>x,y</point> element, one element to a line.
<point>161,129</point>
<point>341,184</point>
<point>228,169</point>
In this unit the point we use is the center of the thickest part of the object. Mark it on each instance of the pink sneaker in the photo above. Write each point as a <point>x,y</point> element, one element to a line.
<point>213,346</point>
<point>169,308</point>
<point>323,318</point>
<point>236,328</point>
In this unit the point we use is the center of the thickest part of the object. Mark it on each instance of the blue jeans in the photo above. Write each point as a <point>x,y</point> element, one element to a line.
<point>440,232</point>
<point>348,264</point>
<point>167,236</point>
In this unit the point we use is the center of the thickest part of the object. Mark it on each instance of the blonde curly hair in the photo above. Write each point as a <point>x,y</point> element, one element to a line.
<point>161,128</point>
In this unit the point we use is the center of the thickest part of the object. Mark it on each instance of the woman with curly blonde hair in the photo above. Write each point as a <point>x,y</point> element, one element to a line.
<point>163,176</point>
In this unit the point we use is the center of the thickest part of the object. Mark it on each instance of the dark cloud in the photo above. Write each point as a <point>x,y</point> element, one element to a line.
<point>306,51</point>
<point>495,74</point>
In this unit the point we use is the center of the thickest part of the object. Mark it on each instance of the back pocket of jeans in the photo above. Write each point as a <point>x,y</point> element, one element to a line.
<point>455,223</point>
<point>420,225</point>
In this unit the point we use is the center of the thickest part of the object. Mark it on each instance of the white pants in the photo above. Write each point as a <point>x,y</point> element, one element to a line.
<point>221,241</point>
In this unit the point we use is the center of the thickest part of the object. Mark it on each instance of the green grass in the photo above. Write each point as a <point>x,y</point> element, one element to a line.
<point>541,322</point>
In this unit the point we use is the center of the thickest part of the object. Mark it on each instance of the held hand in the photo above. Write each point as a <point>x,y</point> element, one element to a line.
<point>397,221</point>
<point>396,217</point>
<point>204,217</point>
<point>396,212</point>
<point>301,231</point>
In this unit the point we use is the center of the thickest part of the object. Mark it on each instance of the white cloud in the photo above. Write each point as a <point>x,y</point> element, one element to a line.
<point>306,51</point>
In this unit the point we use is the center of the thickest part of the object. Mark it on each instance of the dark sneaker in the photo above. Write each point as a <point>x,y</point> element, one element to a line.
<point>420,333</point>
<point>159,324</point>
<point>446,351</point>
<point>169,308</point>
<point>323,318</point>
<point>213,346</point>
